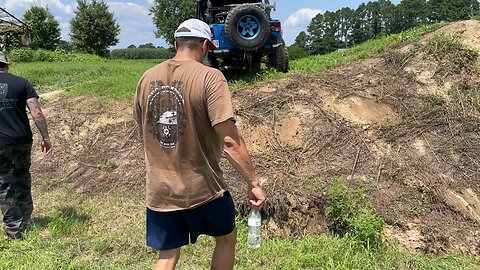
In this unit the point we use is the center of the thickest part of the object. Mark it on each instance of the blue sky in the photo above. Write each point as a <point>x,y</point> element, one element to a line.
<point>137,26</point>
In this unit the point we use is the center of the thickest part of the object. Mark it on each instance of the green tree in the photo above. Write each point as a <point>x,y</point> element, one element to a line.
<point>360,30</point>
<point>302,41</point>
<point>168,14</point>
<point>11,40</point>
<point>331,40</point>
<point>412,12</point>
<point>93,29</point>
<point>65,46</point>
<point>451,10</point>
<point>316,31</point>
<point>147,46</point>
<point>45,30</point>
<point>346,19</point>
<point>387,13</point>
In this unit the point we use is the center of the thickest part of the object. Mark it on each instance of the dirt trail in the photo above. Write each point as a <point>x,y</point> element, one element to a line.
<point>405,125</point>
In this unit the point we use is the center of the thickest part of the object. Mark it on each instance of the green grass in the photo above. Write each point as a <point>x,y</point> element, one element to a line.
<point>113,78</point>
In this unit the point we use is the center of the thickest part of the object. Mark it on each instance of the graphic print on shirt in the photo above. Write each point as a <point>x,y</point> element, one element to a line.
<point>165,112</point>
<point>5,103</point>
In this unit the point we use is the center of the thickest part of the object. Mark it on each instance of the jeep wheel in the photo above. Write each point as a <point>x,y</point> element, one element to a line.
<point>248,27</point>
<point>279,59</point>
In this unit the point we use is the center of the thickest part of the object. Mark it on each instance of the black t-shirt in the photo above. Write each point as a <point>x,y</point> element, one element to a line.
<point>14,124</point>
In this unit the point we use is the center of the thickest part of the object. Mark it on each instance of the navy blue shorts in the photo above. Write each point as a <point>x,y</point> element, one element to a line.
<point>170,230</point>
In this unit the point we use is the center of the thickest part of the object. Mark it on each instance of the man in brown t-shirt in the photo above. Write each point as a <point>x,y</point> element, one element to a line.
<point>184,112</point>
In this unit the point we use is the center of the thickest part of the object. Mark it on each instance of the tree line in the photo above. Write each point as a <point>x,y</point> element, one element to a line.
<point>345,27</point>
<point>92,30</point>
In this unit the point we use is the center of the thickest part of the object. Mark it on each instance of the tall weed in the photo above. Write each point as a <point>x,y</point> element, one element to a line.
<point>353,215</point>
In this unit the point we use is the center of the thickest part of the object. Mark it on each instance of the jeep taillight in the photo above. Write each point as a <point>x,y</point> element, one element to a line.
<point>276,27</point>
<point>213,32</point>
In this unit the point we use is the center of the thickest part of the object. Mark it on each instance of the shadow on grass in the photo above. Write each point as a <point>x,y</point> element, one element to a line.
<point>65,221</point>
<point>40,222</point>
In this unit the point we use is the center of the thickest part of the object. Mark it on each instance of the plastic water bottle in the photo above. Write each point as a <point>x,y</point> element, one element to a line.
<point>254,224</point>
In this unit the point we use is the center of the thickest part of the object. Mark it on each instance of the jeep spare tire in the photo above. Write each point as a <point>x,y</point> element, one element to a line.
<point>247,27</point>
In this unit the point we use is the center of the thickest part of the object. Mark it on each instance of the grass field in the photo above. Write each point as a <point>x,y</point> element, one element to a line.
<point>106,231</point>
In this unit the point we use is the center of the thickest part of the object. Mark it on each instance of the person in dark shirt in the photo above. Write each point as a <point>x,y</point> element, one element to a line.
<point>16,93</point>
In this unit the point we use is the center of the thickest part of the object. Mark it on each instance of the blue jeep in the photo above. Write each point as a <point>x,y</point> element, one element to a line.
<point>244,33</point>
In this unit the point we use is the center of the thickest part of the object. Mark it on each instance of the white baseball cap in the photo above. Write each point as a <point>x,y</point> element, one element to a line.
<point>3,58</point>
<point>195,28</point>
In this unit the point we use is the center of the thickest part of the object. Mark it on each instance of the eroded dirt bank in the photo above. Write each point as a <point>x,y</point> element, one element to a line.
<point>405,125</point>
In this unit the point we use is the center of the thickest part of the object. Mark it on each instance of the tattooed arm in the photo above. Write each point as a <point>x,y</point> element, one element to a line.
<point>40,122</point>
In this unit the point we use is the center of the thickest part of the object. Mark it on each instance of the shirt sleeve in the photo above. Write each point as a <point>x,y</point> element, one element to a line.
<point>31,93</point>
<point>218,96</point>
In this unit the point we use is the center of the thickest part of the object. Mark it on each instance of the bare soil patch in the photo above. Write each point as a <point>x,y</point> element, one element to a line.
<point>403,125</point>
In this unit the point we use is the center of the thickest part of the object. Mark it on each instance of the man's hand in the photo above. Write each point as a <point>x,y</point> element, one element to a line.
<point>256,198</point>
<point>46,146</point>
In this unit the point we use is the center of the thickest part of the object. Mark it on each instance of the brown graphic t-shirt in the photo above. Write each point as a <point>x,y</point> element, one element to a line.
<point>176,106</point>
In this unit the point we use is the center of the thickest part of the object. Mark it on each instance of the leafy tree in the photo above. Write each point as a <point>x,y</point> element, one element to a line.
<point>93,29</point>
<point>374,20</point>
<point>147,46</point>
<point>302,41</point>
<point>45,30</point>
<point>360,25</point>
<point>131,46</point>
<point>11,40</point>
<point>316,31</point>
<point>451,10</point>
<point>387,13</point>
<point>168,14</point>
<point>324,32</point>
<point>345,19</point>
<point>331,41</point>
<point>412,12</point>
<point>65,46</point>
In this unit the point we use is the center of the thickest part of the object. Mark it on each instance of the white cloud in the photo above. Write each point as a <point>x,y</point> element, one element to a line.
<point>51,4</point>
<point>150,2</point>
<point>136,24</point>
<point>124,10</point>
<point>301,16</point>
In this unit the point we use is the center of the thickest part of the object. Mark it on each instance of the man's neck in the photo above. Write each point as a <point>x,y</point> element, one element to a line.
<point>186,55</point>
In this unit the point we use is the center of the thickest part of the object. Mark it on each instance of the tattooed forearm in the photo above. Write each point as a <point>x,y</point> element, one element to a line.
<point>41,124</point>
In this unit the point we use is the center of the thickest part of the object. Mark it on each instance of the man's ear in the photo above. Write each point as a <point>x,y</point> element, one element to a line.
<point>175,44</point>
<point>205,45</point>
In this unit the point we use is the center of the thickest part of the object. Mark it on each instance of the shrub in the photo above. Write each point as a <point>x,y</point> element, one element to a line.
<point>352,214</point>
<point>142,53</point>
<point>29,55</point>
<point>295,52</point>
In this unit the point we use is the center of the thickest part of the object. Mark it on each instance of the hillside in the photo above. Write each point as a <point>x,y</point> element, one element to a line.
<point>404,124</point>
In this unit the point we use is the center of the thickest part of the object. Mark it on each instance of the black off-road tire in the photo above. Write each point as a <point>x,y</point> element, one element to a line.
<point>235,23</point>
<point>279,59</point>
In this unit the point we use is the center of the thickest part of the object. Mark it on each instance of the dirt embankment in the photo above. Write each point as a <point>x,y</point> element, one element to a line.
<point>405,125</point>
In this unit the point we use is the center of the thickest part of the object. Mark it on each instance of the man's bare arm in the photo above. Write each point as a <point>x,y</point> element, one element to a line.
<point>41,123</point>
<point>38,118</point>
<point>238,156</point>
